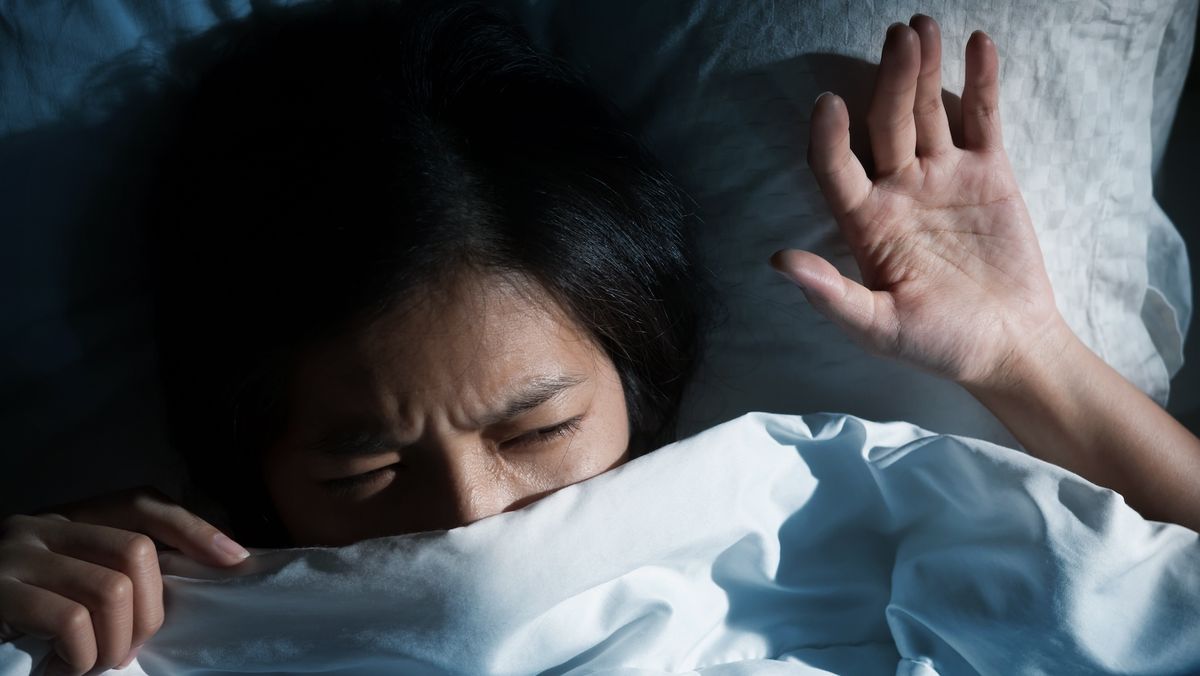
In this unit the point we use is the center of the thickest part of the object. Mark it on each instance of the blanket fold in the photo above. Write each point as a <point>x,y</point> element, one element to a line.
<point>770,544</point>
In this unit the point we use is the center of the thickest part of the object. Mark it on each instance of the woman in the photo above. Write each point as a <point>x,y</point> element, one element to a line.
<point>409,296</point>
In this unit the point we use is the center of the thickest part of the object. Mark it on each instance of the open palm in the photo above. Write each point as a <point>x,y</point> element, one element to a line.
<point>954,278</point>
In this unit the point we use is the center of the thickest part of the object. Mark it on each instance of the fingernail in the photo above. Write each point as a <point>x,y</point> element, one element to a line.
<point>223,544</point>
<point>129,660</point>
<point>821,96</point>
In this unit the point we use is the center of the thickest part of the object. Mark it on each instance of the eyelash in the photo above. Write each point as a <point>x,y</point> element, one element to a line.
<point>346,486</point>
<point>562,429</point>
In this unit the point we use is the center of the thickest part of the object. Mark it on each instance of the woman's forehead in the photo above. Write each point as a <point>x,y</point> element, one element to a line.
<point>460,349</point>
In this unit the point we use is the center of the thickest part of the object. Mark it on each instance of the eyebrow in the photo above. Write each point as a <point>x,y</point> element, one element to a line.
<point>353,443</point>
<point>360,441</point>
<point>534,393</point>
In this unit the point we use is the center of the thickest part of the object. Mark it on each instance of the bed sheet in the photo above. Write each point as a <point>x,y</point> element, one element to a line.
<point>767,545</point>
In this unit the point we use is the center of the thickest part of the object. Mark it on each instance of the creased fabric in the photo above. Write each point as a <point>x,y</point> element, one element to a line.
<point>768,545</point>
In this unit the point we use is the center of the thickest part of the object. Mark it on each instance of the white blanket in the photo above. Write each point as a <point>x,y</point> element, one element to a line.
<point>768,545</point>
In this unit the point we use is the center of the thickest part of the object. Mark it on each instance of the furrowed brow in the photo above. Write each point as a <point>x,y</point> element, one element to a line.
<point>358,442</point>
<point>533,394</point>
<point>350,444</point>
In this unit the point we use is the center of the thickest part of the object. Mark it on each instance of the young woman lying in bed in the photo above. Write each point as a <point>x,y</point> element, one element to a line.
<point>420,276</point>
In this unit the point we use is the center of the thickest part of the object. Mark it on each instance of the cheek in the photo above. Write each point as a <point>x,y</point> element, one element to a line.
<point>312,518</point>
<point>608,439</point>
<point>281,486</point>
<point>290,492</point>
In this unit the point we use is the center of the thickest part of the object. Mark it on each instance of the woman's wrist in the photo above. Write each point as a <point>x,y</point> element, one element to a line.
<point>1049,393</point>
<point>1066,406</point>
<point>1040,354</point>
<point>1045,392</point>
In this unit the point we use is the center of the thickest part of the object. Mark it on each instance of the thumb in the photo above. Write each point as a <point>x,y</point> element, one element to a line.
<point>863,314</point>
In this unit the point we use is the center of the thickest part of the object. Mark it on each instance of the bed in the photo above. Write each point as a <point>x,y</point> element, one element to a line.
<point>721,91</point>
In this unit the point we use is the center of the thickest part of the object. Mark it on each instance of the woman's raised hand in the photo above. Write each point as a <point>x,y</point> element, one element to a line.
<point>86,576</point>
<point>954,278</point>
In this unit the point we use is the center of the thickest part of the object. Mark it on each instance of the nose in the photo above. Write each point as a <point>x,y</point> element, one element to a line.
<point>477,486</point>
<point>474,499</point>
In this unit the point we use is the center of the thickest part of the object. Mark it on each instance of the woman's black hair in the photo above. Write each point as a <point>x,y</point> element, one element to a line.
<point>328,158</point>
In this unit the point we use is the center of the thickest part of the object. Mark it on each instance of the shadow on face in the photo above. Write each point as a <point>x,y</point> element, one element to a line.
<point>477,396</point>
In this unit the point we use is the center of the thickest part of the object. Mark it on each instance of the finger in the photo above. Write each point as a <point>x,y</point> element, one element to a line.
<point>107,594</point>
<point>843,180</point>
<point>46,615</point>
<point>981,95</point>
<point>131,554</point>
<point>867,316</point>
<point>148,510</point>
<point>933,128</point>
<point>890,118</point>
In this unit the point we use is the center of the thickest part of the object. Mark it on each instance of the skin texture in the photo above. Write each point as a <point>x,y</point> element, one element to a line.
<point>954,284</point>
<point>425,376</point>
<point>428,379</point>
<point>953,275</point>
<point>954,281</point>
<point>86,575</point>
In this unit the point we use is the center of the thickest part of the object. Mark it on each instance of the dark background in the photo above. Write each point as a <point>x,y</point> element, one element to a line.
<point>1176,190</point>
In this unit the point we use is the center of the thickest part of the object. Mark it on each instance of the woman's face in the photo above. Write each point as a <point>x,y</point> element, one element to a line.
<point>479,399</point>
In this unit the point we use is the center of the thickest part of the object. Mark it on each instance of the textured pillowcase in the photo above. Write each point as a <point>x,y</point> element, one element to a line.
<point>722,91</point>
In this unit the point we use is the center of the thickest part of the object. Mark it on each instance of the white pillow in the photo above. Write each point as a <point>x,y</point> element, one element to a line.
<point>724,92</point>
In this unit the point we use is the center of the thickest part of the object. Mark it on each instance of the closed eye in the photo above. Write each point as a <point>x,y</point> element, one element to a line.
<point>351,485</point>
<point>348,486</point>
<point>546,434</point>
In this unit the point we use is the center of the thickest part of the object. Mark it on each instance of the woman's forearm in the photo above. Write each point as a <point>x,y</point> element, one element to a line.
<point>956,278</point>
<point>1067,406</point>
